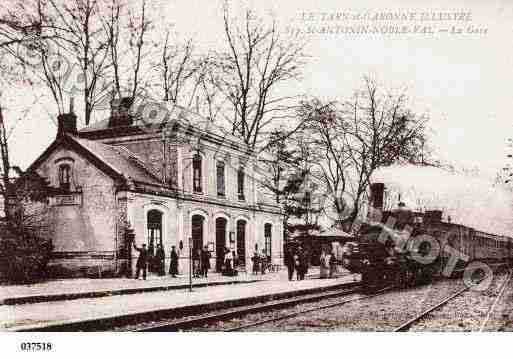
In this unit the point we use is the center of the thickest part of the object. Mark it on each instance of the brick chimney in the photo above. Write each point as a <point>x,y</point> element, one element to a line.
<point>67,122</point>
<point>120,112</point>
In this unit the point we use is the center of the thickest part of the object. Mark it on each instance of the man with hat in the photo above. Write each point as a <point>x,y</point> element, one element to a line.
<point>141,261</point>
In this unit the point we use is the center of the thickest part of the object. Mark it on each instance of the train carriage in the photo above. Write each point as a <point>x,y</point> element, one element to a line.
<point>388,253</point>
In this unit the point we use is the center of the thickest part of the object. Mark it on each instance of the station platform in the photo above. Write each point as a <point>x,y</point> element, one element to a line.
<point>39,315</point>
<point>65,289</point>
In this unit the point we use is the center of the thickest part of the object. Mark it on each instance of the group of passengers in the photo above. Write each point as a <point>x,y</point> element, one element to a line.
<point>156,262</point>
<point>200,262</point>
<point>296,260</point>
<point>328,264</point>
<point>261,262</point>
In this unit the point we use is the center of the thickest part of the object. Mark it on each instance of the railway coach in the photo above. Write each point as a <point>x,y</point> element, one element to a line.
<point>393,251</point>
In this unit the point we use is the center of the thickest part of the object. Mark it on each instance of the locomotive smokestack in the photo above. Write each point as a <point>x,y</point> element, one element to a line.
<point>376,195</point>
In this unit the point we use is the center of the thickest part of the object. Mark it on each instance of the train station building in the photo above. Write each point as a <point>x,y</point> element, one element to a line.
<point>175,180</point>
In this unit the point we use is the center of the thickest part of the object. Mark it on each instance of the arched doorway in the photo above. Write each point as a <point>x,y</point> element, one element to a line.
<point>241,241</point>
<point>154,237</point>
<point>220,242</point>
<point>268,230</point>
<point>197,231</point>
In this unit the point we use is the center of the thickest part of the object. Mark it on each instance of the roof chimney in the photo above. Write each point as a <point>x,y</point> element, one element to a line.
<point>120,112</point>
<point>67,122</point>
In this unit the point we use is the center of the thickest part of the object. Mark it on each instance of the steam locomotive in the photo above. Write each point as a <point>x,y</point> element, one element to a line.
<point>408,248</point>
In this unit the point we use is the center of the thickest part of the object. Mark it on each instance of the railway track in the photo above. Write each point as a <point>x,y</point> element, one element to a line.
<point>223,315</point>
<point>406,325</point>
<point>492,310</point>
<point>300,312</point>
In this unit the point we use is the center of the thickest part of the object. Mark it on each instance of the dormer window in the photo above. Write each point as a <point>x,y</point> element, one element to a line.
<point>196,173</point>
<point>65,177</point>
<point>240,183</point>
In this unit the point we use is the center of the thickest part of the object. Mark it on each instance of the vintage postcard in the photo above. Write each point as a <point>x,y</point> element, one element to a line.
<point>255,166</point>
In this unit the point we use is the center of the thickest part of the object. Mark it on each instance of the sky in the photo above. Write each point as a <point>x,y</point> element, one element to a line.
<point>461,80</point>
<point>470,201</point>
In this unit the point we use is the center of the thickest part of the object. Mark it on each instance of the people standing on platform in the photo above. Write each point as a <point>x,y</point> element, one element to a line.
<point>235,260</point>
<point>228,262</point>
<point>256,262</point>
<point>205,261</point>
<point>196,262</point>
<point>333,264</point>
<point>324,265</point>
<point>173,265</point>
<point>160,256</point>
<point>302,263</point>
<point>297,264</point>
<point>142,260</point>
<point>289,262</point>
<point>263,262</point>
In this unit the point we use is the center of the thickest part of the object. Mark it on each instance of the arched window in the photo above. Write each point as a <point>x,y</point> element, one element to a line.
<point>154,223</point>
<point>197,231</point>
<point>268,230</point>
<point>221,231</point>
<point>220,179</point>
<point>196,173</point>
<point>241,241</point>
<point>65,177</point>
<point>240,183</point>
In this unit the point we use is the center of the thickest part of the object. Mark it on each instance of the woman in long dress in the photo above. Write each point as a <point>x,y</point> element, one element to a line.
<point>324,265</point>
<point>228,262</point>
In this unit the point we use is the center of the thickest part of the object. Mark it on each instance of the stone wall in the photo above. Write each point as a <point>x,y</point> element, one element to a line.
<point>177,216</point>
<point>84,232</point>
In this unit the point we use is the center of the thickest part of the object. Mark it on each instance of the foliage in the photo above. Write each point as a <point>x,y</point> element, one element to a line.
<point>25,246</point>
<point>23,256</point>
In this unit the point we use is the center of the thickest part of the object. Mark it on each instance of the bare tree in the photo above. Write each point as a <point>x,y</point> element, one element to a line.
<point>381,131</point>
<point>177,67</point>
<point>326,129</point>
<point>249,73</point>
<point>5,186</point>
<point>129,47</point>
<point>68,52</point>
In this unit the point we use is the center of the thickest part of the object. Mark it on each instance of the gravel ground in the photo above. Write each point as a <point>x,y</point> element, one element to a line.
<point>216,326</point>
<point>387,311</point>
<point>251,318</point>
<point>380,313</point>
<point>469,311</point>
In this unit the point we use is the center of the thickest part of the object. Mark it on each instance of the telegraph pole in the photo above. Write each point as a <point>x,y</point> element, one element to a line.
<point>190,264</point>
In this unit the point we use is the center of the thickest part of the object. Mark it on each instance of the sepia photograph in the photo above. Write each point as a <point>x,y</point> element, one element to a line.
<point>258,167</point>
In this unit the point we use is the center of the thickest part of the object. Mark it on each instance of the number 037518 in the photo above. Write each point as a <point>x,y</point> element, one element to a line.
<point>35,346</point>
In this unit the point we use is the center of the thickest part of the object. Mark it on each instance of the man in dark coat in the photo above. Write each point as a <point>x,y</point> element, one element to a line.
<point>289,262</point>
<point>303,263</point>
<point>205,261</point>
<point>160,255</point>
<point>142,261</point>
<point>173,266</point>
